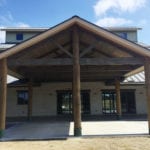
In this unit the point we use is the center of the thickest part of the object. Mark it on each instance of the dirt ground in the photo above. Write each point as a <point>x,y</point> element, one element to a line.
<point>106,143</point>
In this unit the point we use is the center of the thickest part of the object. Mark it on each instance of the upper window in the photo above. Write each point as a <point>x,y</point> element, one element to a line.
<point>19,36</point>
<point>123,35</point>
<point>22,97</point>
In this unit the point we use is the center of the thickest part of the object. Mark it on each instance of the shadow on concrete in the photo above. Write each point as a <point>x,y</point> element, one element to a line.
<point>37,130</point>
<point>60,127</point>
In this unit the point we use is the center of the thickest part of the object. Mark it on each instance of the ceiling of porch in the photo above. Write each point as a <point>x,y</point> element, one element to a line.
<point>50,60</point>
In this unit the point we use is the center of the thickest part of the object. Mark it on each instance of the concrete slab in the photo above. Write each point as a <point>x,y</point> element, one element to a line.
<point>52,130</point>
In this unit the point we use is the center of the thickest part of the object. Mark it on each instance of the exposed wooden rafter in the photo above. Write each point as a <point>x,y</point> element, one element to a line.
<point>62,48</point>
<point>88,49</point>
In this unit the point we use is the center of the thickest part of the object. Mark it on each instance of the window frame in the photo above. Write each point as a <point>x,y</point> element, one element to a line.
<point>24,98</point>
<point>19,36</point>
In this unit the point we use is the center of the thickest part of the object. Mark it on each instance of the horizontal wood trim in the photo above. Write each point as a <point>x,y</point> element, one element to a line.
<point>111,61</point>
<point>69,61</point>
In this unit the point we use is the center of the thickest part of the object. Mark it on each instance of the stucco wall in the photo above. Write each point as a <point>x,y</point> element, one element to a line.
<point>11,36</point>
<point>131,35</point>
<point>45,98</point>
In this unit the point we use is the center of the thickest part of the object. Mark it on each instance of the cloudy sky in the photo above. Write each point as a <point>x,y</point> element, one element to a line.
<point>47,13</point>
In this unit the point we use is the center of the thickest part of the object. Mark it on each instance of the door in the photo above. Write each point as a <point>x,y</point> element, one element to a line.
<point>108,102</point>
<point>127,102</point>
<point>64,102</point>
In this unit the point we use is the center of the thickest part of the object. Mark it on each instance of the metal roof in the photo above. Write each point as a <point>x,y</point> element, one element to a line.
<point>28,29</point>
<point>136,78</point>
<point>123,28</point>
<point>32,29</point>
<point>5,46</point>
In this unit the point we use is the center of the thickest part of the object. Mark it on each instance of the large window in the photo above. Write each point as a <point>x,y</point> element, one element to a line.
<point>127,101</point>
<point>22,97</point>
<point>109,102</point>
<point>64,102</point>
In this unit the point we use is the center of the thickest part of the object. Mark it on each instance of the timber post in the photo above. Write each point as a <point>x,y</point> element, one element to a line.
<point>30,101</point>
<point>76,84</point>
<point>147,83</point>
<point>3,93</point>
<point>118,99</point>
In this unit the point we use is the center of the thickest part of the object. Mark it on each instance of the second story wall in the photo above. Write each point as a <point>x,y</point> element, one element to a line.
<point>130,35</point>
<point>17,37</point>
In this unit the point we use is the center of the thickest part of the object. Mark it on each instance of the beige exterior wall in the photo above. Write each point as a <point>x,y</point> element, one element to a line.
<point>131,35</point>
<point>11,36</point>
<point>45,98</point>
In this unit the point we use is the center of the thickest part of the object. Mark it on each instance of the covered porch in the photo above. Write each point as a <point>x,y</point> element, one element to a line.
<point>74,51</point>
<point>44,130</point>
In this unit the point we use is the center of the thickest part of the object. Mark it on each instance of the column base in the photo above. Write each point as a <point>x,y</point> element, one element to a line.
<point>29,118</point>
<point>1,133</point>
<point>77,132</point>
<point>119,117</point>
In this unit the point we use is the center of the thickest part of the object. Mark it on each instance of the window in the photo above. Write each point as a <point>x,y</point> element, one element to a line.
<point>127,101</point>
<point>22,97</point>
<point>109,102</point>
<point>64,102</point>
<point>123,35</point>
<point>19,36</point>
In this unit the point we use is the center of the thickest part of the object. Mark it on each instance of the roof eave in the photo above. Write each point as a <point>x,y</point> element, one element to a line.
<point>85,24</point>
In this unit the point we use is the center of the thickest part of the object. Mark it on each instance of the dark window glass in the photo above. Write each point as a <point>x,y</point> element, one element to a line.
<point>123,35</point>
<point>64,102</point>
<point>19,36</point>
<point>109,102</point>
<point>127,102</point>
<point>22,97</point>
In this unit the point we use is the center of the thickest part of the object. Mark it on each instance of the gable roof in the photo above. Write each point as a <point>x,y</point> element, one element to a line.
<point>84,24</point>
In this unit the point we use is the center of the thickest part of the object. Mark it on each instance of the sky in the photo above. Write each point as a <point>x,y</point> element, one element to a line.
<point>48,13</point>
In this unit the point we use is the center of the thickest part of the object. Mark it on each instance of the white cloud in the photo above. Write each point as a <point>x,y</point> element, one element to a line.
<point>21,24</point>
<point>7,20</point>
<point>103,6</point>
<point>111,21</point>
<point>142,22</point>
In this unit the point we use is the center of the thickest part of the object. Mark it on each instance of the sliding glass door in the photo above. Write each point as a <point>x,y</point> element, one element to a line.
<point>64,102</point>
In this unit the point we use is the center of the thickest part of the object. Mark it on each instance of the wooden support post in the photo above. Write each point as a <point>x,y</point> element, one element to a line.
<point>30,92</point>
<point>147,83</point>
<point>76,85</point>
<point>3,93</point>
<point>118,99</point>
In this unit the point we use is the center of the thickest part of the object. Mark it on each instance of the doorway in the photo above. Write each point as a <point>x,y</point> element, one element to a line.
<point>127,102</point>
<point>64,102</point>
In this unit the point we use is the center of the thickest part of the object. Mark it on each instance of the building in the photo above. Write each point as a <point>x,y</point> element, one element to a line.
<point>55,64</point>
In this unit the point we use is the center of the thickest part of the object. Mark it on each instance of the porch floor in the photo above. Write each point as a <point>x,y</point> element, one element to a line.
<point>36,130</point>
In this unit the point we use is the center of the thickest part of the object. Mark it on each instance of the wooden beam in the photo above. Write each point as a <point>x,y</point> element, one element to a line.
<point>118,99</point>
<point>62,48</point>
<point>3,93</point>
<point>76,85</point>
<point>88,49</point>
<point>111,61</point>
<point>15,74</point>
<point>55,50</point>
<point>83,61</point>
<point>30,100</point>
<point>147,82</point>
